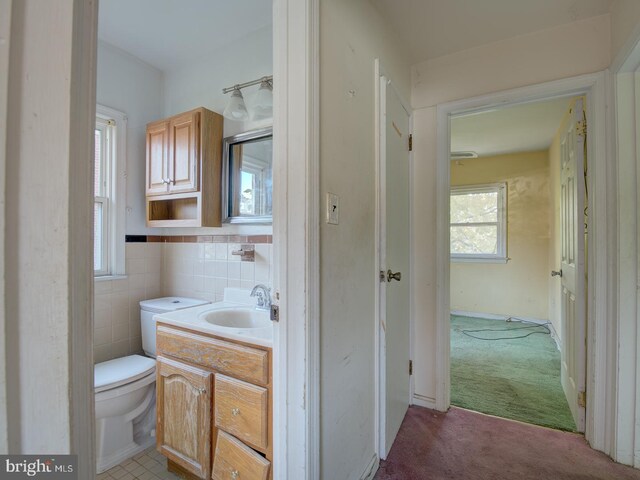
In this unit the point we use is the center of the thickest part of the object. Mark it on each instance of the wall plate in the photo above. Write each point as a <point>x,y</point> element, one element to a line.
<point>333,209</point>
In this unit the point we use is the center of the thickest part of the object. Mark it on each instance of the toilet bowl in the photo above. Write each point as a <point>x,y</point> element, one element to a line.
<point>125,395</point>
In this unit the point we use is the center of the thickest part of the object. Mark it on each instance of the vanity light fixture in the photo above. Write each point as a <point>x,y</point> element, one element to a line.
<point>236,109</point>
<point>263,108</point>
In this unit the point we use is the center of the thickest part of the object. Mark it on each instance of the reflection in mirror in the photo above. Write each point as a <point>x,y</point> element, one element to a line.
<point>247,177</point>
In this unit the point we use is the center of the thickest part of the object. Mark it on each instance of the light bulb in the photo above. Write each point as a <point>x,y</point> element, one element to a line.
<point>263,107</point>
<point>236,109</point>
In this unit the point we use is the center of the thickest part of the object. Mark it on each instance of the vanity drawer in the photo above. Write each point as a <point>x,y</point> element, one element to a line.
<point>234,460</point>
<point>244,362</point>
<point>241,410</point>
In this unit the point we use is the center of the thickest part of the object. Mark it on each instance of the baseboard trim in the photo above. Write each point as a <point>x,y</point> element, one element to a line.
<point>424,401</point>
<point>496,316</point>
<point>371,469</point>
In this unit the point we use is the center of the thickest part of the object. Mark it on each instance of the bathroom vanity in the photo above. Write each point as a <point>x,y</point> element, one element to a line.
<point>214,393</point>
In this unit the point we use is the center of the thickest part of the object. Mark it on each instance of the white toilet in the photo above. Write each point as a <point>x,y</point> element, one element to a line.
<point>125,392</point>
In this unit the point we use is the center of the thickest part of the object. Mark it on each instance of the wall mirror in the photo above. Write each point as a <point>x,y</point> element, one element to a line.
<point>246,177</point>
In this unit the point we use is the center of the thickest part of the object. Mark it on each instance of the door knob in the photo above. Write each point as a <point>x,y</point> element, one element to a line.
<point>556,274</point>
<point>393,276</point>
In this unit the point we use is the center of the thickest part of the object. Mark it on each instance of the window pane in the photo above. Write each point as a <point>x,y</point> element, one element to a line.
<point>474,207</point>
<point>97,237</point>
<point>474,240</point>
<point>97,160</point>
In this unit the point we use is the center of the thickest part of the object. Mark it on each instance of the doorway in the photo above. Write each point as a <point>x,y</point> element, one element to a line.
<point>592,87</point>
<point>293,339</point>
<point>517,187</point>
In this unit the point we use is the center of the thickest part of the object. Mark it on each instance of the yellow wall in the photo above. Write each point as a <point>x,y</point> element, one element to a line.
<point>521,286</point>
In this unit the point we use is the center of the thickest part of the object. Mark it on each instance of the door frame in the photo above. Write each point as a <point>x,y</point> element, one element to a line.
<point>296,226</point>
<point>379,346</point>
<point>626,97</point>
<point>601,252</point>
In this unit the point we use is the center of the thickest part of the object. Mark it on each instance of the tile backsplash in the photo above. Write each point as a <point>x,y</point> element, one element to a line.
<point>199,267</point>
<point>203,270</point>
<point>116,309</point>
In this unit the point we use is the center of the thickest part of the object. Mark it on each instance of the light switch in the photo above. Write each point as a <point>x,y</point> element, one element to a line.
<point>333,208</point>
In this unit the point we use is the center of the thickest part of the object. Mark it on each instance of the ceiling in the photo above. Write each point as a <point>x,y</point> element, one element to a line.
<point>432,28</point>
<point>521,128</point>
<point>170,33</point>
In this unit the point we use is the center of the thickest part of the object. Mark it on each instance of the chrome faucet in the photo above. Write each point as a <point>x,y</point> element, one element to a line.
<point>262,292</point>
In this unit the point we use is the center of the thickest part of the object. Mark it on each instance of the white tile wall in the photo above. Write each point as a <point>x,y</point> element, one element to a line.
<point>117,314</point>
<point>199,270</point>
<point>203,270</point>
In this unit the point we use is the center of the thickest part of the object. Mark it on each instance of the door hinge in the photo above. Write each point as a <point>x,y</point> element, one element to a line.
<point>582,399</point>
<point>410,367</point>
<point>411,142</point>
<point>581,128</point>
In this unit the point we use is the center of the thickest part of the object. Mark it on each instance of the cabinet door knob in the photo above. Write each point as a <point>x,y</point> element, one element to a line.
<point>235,412</point>
<point>235,474</point>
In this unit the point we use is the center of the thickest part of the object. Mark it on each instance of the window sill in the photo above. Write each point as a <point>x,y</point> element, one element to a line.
<point>106,278</point>
<point>480,259</point>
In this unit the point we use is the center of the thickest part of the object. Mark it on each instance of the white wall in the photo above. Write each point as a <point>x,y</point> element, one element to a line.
<point>578,48</point>
<point>538,57</point>
<point>128,84</point>
<point>352,35</point>
<point>117,302</point>
<point>145,94</point>
<point>200,84</point>
<point>625,22</point>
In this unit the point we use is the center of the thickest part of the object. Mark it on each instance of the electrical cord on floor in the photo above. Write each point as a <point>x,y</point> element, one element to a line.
<point>547,331</point>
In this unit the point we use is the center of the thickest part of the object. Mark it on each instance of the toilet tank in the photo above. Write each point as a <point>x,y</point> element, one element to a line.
<point>150,308</point>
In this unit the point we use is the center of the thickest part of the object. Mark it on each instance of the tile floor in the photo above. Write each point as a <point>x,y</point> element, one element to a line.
<point>147,465</point>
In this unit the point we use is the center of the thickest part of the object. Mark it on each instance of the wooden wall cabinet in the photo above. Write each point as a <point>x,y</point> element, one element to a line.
<point>184,169</point>
<point>214,401</point>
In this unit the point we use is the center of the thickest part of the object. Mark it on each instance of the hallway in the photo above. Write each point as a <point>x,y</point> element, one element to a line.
<point>465,445</point>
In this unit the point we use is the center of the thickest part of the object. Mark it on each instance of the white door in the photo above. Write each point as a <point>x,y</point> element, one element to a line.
<point>572,273</point>
<point>394,263</point>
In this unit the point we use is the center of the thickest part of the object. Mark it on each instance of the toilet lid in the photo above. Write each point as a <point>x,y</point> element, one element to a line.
<point>120,371</point>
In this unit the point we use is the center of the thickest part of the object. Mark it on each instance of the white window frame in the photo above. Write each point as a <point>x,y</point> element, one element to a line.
<point>501,255</point>
<point>114,202</point>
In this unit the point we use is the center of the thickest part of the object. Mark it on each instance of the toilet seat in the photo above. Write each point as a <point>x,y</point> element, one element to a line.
<point>123,371</point>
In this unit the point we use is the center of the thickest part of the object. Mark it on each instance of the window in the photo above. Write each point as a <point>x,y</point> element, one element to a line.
<point>108,184</point>
<point>478,223</point>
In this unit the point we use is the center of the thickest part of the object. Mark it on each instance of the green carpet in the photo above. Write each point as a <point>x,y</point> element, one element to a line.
<point>515,378</point>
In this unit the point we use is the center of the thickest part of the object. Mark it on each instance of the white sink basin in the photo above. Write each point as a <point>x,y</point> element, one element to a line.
<point>237,318</point>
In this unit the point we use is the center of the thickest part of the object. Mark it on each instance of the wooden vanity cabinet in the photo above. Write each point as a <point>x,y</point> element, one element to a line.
<point>184,166</point>
<point>214,402</point>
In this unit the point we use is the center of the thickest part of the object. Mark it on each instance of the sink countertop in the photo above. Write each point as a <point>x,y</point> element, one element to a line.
<point>191,318</point>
